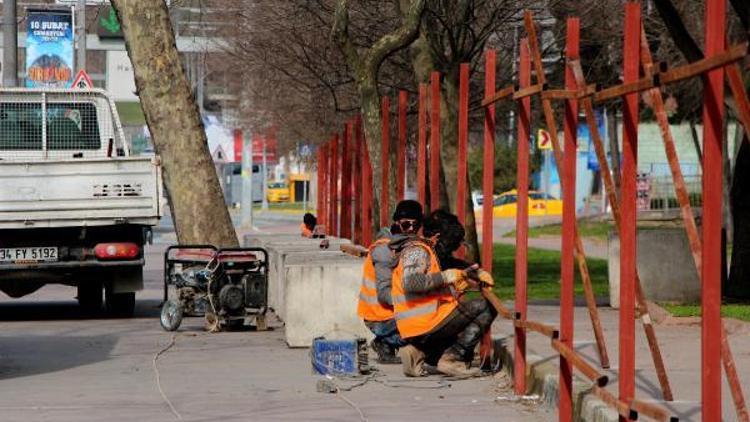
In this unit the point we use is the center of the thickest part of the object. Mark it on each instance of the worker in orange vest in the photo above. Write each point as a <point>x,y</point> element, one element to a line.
<point>440,325</point>
<point>375,305</point>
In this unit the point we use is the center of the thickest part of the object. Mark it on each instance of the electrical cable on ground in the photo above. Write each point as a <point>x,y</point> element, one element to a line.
<point>164,397</point>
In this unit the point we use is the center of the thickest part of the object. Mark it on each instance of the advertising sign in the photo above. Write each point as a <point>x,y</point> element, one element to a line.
<point>49,49</point>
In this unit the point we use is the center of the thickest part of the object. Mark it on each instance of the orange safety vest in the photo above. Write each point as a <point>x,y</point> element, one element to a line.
<point>419,313</point>
<point>369,308</point>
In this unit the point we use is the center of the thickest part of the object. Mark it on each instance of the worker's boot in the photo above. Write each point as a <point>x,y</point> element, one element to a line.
<point>386,354</point>
<point>412,360</point>
<point>452,365</point>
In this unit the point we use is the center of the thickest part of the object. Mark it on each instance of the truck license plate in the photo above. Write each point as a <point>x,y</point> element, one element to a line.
<point>33,254</point>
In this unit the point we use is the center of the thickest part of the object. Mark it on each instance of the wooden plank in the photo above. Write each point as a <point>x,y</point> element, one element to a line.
<point>700,67</point>
<point>499,95</point>
<point>528,91</point>
<point>579,363</point>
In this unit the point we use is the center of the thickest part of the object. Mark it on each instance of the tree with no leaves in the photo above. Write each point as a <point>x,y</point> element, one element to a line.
<point>196,198</point>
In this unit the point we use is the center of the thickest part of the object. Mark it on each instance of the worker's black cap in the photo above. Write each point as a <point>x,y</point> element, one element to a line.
<point>408,208</point>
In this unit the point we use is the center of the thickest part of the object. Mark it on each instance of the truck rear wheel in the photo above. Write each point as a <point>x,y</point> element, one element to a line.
<point>90,297</point>
<point>120,304</point>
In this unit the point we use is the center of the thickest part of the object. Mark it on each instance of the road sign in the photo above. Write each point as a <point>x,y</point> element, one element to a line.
<point>82,81</point>
<point>543,140</point>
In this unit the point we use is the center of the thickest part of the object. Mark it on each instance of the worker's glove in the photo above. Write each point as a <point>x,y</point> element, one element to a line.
<point>456,278</point>
<point>485,278</point>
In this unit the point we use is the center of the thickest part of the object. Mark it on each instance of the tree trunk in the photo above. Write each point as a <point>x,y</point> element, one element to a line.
<point>371,126</point>
<point>196,198</point>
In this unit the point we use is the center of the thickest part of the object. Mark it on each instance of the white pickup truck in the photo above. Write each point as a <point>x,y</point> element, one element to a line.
<point>75,208</point>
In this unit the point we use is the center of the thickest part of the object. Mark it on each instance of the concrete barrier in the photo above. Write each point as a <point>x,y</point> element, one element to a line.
<point>320,298</point>
<point>665,266</point>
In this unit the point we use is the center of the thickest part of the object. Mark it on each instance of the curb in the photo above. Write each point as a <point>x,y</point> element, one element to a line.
<point>542,379</point>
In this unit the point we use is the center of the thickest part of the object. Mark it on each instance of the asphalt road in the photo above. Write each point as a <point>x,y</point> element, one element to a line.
<point>56,365</point>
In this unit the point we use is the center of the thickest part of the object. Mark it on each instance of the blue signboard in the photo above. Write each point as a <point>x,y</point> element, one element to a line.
<point>49,49</point>
<point>585,137</point>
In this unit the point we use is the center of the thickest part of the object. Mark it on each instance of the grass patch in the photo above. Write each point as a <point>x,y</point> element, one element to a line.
<point>543,274</point>
<point>587,228</point>
<point>130,113</point>
<point>735,310</point>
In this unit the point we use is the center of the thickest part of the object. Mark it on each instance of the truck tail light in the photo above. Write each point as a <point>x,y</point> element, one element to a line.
<point>126,250</point>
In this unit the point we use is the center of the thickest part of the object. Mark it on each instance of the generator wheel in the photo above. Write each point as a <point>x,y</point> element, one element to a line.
<point>171,315</point>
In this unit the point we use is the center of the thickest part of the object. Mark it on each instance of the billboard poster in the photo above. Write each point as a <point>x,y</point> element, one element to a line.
<point>49,49</point>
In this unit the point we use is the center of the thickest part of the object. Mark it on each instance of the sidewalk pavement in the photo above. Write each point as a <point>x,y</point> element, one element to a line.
<point>679,339</point>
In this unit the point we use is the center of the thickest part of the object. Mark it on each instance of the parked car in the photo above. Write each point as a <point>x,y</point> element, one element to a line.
<point>278,192</point>
<point>540,204</point>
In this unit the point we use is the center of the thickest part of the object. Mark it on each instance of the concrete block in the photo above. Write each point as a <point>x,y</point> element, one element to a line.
<point>665,266</point>
<point>320,299</point>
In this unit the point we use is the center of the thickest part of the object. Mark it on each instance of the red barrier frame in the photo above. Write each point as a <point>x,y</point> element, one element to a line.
<point>403,100</point>
<point>488,167</point>
<point>435,141</point>
<point>522,215</point>
<point>334,182</point>
<point>385,156</point>
<point>567,261</point>
<point>322,187</point>
<point>713,120</point>
<point>463,145</point>
<point>422,146</point>
<point>356,181</point>
<point>346,187</point>
<point>366,187</point>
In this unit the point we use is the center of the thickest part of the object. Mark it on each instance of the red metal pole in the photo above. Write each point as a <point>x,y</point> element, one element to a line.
<point>401,149</point>
<point>435,142</point>
<point>385,165</point>
<point>322,186</point>
<point>713,121</point>
<point>522,216</point>
<point>463,145</point>
<point>356,180</point>
<point>422,147</point>
<point>488,170</point>
<point>366,189</point>
<point>628,255</point>
<point>346,187</point>
<point>333,212</point>
<point>570,129</point>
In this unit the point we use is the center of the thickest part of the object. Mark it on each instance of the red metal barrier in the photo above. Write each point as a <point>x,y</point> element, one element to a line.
<point>366,187</point>
<point>356,181</point>
<point>422,147</point>
<point>401,148</point>
<point>463,145</point>
<point>346,187</point>
<point>713,120</point>
<point>322,187</point>
<point>435,142</point>
<point>567,264</point>
<point>522,216</point>
<point>631,65</point>
<point>334,182</point>
<point>385,155</point>
<point>488,166</point>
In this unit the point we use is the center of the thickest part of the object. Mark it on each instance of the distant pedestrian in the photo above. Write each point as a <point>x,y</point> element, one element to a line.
<point>308,225</point>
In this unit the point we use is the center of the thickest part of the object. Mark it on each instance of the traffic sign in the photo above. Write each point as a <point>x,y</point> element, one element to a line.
<point>82,81</point>
<point>543,140</point>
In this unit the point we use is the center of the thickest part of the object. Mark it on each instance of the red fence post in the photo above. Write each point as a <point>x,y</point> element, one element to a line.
<point>628,256</point>
<point>570,131</point>
<point>356,180</point>
<point>488,168</point>
<point>322,187</point>
<point>522,215</point>
<point>385,153</point>
<point>463,145</point>
<point>334,182</point>
<point>435,142</point>
<point>713,121</point>
<point>422,147</point>
<point>346,187</point>
<point>366,188</point>
<point>401,149</point>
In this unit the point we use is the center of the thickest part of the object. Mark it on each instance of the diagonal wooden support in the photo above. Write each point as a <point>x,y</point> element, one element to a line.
<point>687,212</point>
<point>609,186</point>
<point>549,116</point>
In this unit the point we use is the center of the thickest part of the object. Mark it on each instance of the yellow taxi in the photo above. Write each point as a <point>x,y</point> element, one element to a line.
<point>540,204</point>
<point>278,192</point>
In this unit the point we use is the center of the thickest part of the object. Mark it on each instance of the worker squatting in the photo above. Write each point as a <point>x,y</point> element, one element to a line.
<point>411,296</point>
